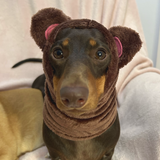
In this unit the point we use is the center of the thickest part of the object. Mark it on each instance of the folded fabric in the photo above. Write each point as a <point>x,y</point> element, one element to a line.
<point>139,115</point>
<point>17,44</point>
<point>39,154</point>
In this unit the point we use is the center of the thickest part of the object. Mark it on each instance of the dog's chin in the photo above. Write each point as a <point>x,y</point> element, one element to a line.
<point>74,111</point>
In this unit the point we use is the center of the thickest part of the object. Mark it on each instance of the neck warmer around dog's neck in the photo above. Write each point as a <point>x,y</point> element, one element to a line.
<point>87,126</point>
<point>95,122</point>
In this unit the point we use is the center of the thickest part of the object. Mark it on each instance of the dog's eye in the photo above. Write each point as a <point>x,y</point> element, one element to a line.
<point>58,54</point>
<point>100,55</point>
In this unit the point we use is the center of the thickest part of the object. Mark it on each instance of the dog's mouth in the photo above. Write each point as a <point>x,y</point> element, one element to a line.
<point>78,92</point>
<point>83,107</point>
<point>80,98</point>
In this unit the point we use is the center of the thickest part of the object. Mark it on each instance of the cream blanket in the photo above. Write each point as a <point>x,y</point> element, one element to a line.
<point>138,99</point>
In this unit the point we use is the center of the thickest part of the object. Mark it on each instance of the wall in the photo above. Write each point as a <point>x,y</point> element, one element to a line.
<point>149,11</point>
<point>158,56</point>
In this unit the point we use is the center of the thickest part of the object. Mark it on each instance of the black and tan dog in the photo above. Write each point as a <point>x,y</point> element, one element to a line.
<point>71,81</point>
<point>81,62</point>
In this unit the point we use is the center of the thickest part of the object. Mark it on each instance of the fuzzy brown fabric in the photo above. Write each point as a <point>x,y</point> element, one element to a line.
<point>97,121</point>
<point>89,125</point>
<point>42,20</point>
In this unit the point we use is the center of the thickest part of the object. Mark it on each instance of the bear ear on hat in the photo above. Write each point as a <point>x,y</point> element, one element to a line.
<point>128,43</point>
<point>45,20</point>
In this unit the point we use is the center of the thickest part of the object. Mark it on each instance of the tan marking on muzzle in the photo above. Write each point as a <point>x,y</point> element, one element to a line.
<point>96,89</point>
<point>100,82</point>
<point>55,83</point>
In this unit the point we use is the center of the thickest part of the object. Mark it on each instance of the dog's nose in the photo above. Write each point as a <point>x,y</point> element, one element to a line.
<point>74,97</point>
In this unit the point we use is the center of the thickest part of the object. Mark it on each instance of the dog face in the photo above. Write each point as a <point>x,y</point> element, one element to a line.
<point>79,58</point>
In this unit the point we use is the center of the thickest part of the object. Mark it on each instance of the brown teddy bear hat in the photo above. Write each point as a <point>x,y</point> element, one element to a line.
<point>123,44</point>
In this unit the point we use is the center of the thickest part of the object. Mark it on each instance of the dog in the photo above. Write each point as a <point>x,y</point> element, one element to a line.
<point>75,77</point>
<point>71,81</point>
<point>21,122</point>
<point>81,61</point>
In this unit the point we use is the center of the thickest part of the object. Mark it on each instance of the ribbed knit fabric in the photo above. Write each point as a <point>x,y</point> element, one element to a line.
<point>87,126</point>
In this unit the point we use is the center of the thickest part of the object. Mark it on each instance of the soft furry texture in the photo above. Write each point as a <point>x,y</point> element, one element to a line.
<point>38,29</point>
<point>142,143</point>
<point>139,118</point>
<point>99,120</point>
<point>130,41</point>
<point>74,128</point>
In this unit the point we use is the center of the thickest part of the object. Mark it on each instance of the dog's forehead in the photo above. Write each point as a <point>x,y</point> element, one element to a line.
<point>81,34</point>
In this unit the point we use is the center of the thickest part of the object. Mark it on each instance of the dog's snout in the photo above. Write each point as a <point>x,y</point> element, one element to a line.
<point>74,97</point>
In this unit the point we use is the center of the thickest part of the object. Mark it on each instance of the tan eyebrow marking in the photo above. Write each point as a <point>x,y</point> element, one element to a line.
<point>65,42</point>
<point>92,42</point>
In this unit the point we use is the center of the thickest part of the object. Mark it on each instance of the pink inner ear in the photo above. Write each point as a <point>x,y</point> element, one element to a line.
<point>49,30</point>
<point>119,46</point>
